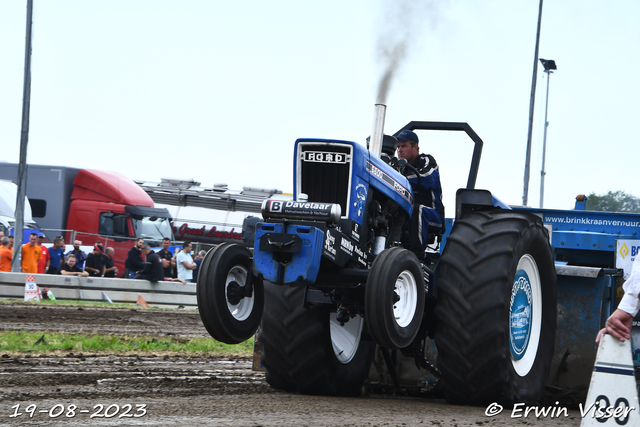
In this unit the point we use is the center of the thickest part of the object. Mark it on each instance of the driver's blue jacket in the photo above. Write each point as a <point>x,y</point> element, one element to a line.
<point>428,206</point>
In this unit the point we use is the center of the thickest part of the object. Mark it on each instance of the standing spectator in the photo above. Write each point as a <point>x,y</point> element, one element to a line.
<point>5,254</point>
<point>43,264</point>
<point>168,261</point>
<point>56,255</point>
<point>620,322</point>
<point>1,235</point>
<point>110,270</point>
<point>95,264</point>
<point>198,260</point>
<point>31,254</point>
<point>134,262</point>
<point>10,242</point>
<point>101,249</point>
<point>81,256</point>
<point>185,263</point>
<point>70,268</point>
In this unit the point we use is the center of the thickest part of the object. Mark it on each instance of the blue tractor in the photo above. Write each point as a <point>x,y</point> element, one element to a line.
<point>330,278</point>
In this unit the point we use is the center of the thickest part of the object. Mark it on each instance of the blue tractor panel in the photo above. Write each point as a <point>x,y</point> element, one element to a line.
<point>288,253</point>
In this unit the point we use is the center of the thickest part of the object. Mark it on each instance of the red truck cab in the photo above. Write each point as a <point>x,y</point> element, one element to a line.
<point>118,210</point>
<point>91,205</point>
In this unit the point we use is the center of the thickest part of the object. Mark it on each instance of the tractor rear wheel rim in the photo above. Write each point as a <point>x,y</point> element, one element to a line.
<point>525,327</point>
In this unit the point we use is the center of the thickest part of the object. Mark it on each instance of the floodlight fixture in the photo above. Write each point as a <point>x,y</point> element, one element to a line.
<point>549,65</point>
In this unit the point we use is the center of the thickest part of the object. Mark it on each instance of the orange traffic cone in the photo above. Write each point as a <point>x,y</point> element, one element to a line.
<point>141,301</point>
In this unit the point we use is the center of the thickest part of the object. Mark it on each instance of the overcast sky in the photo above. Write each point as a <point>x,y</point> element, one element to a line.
<point>218,91</point>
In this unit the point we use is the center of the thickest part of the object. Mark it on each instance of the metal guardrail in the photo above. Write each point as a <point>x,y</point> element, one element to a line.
<point>156,294</point>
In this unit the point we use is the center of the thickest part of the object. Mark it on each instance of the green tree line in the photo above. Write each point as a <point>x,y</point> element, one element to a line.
<point>613,201</point>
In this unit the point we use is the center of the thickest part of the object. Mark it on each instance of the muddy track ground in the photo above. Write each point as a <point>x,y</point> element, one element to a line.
<point>213,390</point>
<point>117,321</point>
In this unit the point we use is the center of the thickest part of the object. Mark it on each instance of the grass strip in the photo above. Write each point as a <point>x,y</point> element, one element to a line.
<point>12,342</point>
<point>75,303</point>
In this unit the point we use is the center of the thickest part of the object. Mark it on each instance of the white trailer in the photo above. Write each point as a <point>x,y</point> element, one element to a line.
<point>209,215</point>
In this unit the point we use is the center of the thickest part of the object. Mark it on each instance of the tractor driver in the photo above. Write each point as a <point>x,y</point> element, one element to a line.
<point>428,210</point>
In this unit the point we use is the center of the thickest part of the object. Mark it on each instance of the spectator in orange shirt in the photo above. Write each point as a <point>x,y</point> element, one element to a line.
<point>43,264</point>
<point>31,254</point>
<point>5,254</point>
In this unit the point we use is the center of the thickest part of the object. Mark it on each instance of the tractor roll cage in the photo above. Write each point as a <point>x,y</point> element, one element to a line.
<point>454,126</point>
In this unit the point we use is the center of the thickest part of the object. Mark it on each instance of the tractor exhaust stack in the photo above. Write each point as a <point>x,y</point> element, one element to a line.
<point>378,129</point>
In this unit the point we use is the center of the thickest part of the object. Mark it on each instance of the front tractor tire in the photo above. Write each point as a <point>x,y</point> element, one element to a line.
<point>394,298</point>
<point>230,298</point>
<point>306,350</point>
<point>496,310</point>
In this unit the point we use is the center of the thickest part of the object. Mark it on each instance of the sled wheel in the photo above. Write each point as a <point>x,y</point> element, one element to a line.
<point>394,298</point>
<point>496,310</point>
<point>305,350</point>
<point>230,298</point>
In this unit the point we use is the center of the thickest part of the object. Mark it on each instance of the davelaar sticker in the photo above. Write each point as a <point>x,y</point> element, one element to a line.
<point>361,198</point>
<point>520,312</point>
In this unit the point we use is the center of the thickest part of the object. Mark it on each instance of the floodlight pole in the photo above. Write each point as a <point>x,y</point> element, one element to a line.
<point>544,139</point>
<point>16,263</point>
<point>527,166</point>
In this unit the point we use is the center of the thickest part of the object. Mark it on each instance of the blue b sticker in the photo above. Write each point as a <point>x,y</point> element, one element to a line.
<point>520,312</point>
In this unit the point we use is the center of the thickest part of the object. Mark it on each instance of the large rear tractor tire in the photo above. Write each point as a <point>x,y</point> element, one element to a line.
<point>394,298</point>
<point>496,310</point>
<point>305,350</point>
<point>230,298</point>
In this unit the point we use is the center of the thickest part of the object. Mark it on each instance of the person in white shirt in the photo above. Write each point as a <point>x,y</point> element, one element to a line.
<point>185,263</point>
<point>620,322</point>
